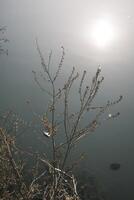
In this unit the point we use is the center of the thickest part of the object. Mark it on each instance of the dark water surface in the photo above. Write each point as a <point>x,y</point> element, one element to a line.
<point>55,24</point>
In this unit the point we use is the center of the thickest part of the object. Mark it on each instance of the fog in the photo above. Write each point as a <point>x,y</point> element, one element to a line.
<point>66,23</point>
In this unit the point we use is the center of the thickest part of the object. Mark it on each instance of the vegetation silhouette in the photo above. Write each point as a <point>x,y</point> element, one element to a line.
<point>50,177</point>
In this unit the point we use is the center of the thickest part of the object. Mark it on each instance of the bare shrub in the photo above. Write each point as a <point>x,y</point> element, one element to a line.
<point>74,131</point>
<point>50,177</point>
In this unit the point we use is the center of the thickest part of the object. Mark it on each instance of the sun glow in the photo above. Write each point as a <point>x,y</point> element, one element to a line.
<point>102,33</point>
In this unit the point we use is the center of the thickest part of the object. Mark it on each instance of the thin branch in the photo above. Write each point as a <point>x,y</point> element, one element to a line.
<point>60,64</point>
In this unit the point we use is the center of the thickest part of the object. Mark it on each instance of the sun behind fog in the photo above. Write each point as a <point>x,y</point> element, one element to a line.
<point>102,33</point>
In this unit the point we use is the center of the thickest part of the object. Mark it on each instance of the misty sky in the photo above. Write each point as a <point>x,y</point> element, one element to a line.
<point>70,23</point>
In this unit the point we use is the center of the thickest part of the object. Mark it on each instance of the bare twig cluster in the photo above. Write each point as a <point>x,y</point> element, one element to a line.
<point>73,129</point>
<point>50,178</point>
<point>13,183</point>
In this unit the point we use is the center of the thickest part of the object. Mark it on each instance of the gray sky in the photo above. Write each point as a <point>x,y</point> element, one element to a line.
<point>68,23</point>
